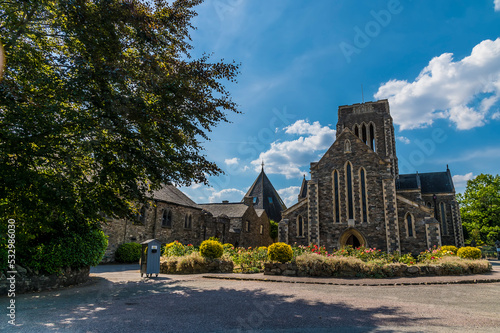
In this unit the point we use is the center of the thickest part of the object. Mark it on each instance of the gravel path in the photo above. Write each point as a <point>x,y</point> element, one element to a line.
<point>118,300</point>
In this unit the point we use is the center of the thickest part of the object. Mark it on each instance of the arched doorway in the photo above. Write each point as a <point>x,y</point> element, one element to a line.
<point>353,238</point>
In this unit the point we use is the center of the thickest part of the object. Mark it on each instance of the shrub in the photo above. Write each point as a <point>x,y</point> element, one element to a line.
<point>75,251</point>
<point>211,249</point>
<point>281,252</point>
<point>449,248</point>
<point>128,252</point>
<point>174,249</point>
<point>469,252</point>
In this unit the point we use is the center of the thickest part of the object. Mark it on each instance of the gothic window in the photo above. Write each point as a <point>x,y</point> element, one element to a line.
<point>364,204</point>
<point>300,226</point>
<point>247,226</point>
<point>442,209</point>
<point>254,200</point>
<point>372,137</point>
<point>347,146</point>
<point>336,198</point>
<point>188,221</point>
<point>350,199</point>
<point>141,217</point>
<point>409,225</point>
<point>261,229</point>
<point>166,220</point>
<point>270,200</point>
<point>363,133</point>
<point>356,130</point>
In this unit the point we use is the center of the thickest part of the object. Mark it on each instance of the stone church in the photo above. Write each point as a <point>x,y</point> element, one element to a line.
<point>357,197</point>
<point>170,215</point>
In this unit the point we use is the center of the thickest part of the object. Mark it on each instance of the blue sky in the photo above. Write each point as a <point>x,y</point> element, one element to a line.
<point>438,63</point>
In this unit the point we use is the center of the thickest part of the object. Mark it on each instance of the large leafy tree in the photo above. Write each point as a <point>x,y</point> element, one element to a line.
<point>480,209</point>
<point>100,102</point>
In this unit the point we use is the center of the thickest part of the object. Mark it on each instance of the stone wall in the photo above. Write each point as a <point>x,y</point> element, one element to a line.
<point>397,270</point>
<point>27,281</point>
<point>418,241</point>
<point>292,216</point>
<point>360,156</point>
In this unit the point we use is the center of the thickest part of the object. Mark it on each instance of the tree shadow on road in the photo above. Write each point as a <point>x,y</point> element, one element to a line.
<point>165,305</point>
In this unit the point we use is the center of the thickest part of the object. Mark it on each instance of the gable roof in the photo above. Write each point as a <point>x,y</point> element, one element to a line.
<point>303,189</point>
<point>231,210</point>
<point>170,193</point>
<point>428,183</point>
<point>267,197</point>
<point>340,140</point>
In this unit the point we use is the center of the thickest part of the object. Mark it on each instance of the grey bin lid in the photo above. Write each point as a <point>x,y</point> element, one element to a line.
<point>151,241</point>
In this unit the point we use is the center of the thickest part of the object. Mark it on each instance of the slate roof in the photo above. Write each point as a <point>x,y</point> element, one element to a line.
<point>231,210</point>
<point>172,194</point>
<point>303,189</point>
<point>259,212</point>
<point>267,197</point>
<point>428,183</point>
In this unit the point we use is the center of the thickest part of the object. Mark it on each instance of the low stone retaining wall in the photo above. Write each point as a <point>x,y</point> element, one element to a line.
<point>396,270</point>
<point>27,281</point>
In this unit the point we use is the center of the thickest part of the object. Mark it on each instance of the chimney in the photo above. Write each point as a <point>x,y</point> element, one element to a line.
<point>248,201</point>
<point>225,201</point>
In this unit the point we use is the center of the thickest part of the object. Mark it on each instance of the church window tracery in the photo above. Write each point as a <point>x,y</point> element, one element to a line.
<point>350,195</point>
<point>363,133</point>
<point>372,137</point>
<point>364,204</point>
<point>442,209</point>
<point>336,198</point>
<point>409,225</point>
<point>347,146</point>
<point>300,226</point>
<point>166,220</point>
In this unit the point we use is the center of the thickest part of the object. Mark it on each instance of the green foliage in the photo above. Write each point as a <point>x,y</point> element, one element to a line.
<point>273,229</point>
<point>480,209</point>
<point>100,103</point>
<point>469,252</point>
<point>128,252</point>
<point>281,252</point>
<point>211,249</point>
<point>449,248</point>
<point>74,251</point>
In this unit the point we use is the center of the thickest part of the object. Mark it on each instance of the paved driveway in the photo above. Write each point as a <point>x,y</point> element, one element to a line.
<point>118,300</point>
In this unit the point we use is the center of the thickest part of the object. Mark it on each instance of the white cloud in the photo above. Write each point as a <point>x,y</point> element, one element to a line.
<point>460,181</point>
<point>232,161</point>
<point>289,195</point>
<point>292,158</point>
<point>462,91</point>
<point>230,194</point>
<point>496,115</point>
<point>404,139</point>
<point>497,5</point>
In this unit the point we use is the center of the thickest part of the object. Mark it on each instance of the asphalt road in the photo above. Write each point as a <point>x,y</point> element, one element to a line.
<point>118,300</point>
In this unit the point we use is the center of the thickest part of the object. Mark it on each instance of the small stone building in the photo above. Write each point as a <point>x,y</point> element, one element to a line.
<point>248,226</point>
<point>357,197</point>
<point>170,215</point>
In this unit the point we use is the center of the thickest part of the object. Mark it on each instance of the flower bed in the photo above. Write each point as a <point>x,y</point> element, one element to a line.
<point>194,263</point>
<point>312,264</point>
<point>316,261</point>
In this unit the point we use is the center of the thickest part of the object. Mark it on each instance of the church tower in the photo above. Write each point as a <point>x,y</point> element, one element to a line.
<point>372,123</point>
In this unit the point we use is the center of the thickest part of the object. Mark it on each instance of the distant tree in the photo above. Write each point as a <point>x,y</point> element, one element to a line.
<point>480,209</point>
<point>100,102</point>
<point>273,230</point>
